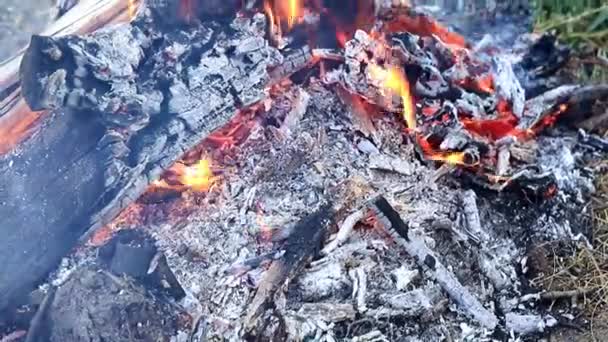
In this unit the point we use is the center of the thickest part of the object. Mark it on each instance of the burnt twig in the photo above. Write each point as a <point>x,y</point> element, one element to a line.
<point>416,247</point>
<point>344,232</point>
<point>555,295</point>
<point>359,279</point>
<point>489,264</point>
<point>301,246</point>
<point>528,324</point>
<point>34,331</point>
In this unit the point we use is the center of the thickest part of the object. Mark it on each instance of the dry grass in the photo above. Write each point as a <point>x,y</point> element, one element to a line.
<point>583,24</point>
<point>579,267</point>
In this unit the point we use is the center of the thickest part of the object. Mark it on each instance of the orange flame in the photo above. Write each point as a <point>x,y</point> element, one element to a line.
<point>274,23</point>
<point>453,158</point>
<point>199,176</point>
<point>283,11</point>
<point>394,80</point>
<point>131,9</point>
<point>294,10</point>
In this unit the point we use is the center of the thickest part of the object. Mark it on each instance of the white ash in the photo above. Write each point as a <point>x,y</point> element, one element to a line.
<point>328,280</point>
<point>529,324</point>
<point>277,179</point>
<point>413,303</point>
<point>557,155</point>
<point>404,276</point>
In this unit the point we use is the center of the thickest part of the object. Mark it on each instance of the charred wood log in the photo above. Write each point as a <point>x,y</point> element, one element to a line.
<point>84,166</point>
<point>84,17</point>
<point>134,253</point>
<point>302,245</point>
<point>568,101</point>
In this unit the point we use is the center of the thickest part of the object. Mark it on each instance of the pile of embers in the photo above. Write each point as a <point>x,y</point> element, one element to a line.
<point>383,179</point>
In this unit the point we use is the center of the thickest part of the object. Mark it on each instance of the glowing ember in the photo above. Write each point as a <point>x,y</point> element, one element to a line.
<point>342,37</point>
<point>198,177</point>
<point>394,80</point>
<point>493,129</point>
<point>423,25</point>
<point>17,125</point>
<point>485,83</point>
<point>453,158</point>
<point>128,218</point>
<point>548,121</point>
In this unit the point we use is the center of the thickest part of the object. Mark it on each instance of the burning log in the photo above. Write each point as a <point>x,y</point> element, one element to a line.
<point>16,118</point>
<point>567,100</point>
<point>84,166</point>
<point>128,101</point>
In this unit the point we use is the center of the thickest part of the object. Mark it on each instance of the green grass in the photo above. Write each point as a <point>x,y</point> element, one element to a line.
<point>584,25</point>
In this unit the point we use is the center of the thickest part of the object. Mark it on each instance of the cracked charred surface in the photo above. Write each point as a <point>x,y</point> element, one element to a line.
<point>92,159</point>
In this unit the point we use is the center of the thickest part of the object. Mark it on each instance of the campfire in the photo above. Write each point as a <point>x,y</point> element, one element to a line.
<point>287,170</point>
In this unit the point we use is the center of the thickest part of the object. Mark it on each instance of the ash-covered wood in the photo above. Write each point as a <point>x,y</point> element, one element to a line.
<point>415,246</point>
<point>574,99</point>
<point>94,305</point>
<point>97,155</point>
<point>507,86</point>
<point>499,273</point>
<point>302,147</point>
<point>529,324</point>
<point>301,246</point>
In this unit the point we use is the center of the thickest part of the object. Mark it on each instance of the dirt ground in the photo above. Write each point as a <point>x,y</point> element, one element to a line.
<point>19,19</point>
